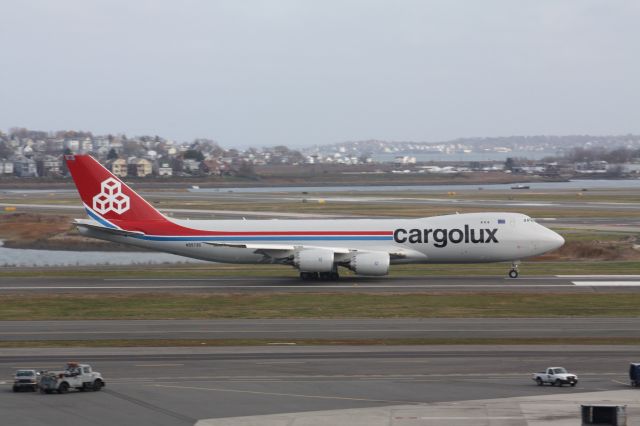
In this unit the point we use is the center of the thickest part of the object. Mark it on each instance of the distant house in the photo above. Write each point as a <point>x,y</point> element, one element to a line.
<point>140,167</point>
<point>211,166</point>
<point>118,167</point>
<point>25,167</point>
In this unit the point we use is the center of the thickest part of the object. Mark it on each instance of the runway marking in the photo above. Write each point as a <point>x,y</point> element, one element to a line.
<point>470,418</point>
<point>598,276</point>
<point>621,383</point>
<point>606,283</point>
<point>289,394</point>
<point>158,365</point>
<point>39,367</point>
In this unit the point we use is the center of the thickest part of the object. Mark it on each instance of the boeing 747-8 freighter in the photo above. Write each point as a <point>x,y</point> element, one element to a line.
<point>317,248</point>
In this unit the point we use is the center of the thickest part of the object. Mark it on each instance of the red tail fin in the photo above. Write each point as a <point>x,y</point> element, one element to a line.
<point>105,196</point>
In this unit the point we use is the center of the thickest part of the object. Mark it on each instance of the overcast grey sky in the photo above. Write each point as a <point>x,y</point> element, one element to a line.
<point>305,72</point>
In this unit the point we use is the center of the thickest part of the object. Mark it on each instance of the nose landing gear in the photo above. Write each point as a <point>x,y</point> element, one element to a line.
<point>513,272</point>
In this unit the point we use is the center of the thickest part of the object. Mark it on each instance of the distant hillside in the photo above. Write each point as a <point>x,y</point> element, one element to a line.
<point>539,143</point>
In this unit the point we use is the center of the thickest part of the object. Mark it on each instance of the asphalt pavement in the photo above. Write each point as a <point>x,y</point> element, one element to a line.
<point>168,386</point>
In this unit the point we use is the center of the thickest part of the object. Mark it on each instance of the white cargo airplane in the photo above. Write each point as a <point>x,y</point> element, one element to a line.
<point>315,247</point>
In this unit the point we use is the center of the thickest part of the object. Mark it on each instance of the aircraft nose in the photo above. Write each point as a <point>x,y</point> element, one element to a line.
<point>553,240</point>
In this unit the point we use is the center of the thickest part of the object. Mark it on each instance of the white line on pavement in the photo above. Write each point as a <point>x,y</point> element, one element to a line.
<point>607,283</point>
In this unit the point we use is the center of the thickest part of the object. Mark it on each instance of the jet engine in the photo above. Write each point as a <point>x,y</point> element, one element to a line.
<point>314,260</point>
<point>372,264</point>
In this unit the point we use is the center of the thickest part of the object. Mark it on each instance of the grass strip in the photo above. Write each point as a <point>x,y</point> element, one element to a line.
<point>316,305</point>
<point>309,342</point>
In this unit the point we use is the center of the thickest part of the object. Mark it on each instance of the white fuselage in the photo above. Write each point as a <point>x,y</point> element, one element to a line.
<point>460,238</point>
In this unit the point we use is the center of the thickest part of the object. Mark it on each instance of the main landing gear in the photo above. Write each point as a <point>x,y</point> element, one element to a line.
<point>322,276</point>
<point>513,273</point>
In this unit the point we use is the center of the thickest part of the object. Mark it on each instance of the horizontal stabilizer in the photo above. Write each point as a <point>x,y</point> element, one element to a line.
<point>92,226</point>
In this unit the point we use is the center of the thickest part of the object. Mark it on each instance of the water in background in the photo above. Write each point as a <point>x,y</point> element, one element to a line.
<point>573,184</point>
<point>470,156</point>
<point>10,257</point>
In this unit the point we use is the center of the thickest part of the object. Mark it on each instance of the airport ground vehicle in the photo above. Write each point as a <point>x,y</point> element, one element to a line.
<point>25,380</point>
<point>317,248</point>
<point>555,376</point>
<point>634,374</point>
<point>74,376</point>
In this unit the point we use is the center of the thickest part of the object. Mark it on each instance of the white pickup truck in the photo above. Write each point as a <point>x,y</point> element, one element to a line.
<point>74,376</point>
<point>555,376</point>
<point>25,379</point>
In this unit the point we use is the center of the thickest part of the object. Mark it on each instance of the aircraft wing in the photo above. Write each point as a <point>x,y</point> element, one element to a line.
<point>282,251</point>
<point>276,251</point>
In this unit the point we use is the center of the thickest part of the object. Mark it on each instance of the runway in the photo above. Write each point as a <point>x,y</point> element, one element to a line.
<point>171,386</point>
<point>397,285</point>
<point>281,330</point>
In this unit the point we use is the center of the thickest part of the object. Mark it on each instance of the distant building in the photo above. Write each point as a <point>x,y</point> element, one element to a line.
<point>404,160</point>
<point>165,170</point>
<point>72,144</point>
<point>190,165</point>
<point>6,167</point>
<point>86,145</point>
<point>118,167</point>
<point>140,167</point>
<point>25,167</point>
<point>49,166</point>
<point>592,167</point>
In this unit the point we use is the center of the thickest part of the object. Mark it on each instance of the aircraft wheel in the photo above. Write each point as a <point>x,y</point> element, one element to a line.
<point>306,276</point>
<point>513,273</point>
<point>334,276</point>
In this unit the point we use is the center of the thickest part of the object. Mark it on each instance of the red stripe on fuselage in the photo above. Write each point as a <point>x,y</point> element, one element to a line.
<point>164,228</point>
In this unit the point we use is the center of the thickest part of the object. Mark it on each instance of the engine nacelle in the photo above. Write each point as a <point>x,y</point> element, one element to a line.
<point>372,264</point>
<point>314,260</point>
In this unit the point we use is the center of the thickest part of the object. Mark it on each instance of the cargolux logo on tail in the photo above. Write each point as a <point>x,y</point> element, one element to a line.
<point>111,198</point>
